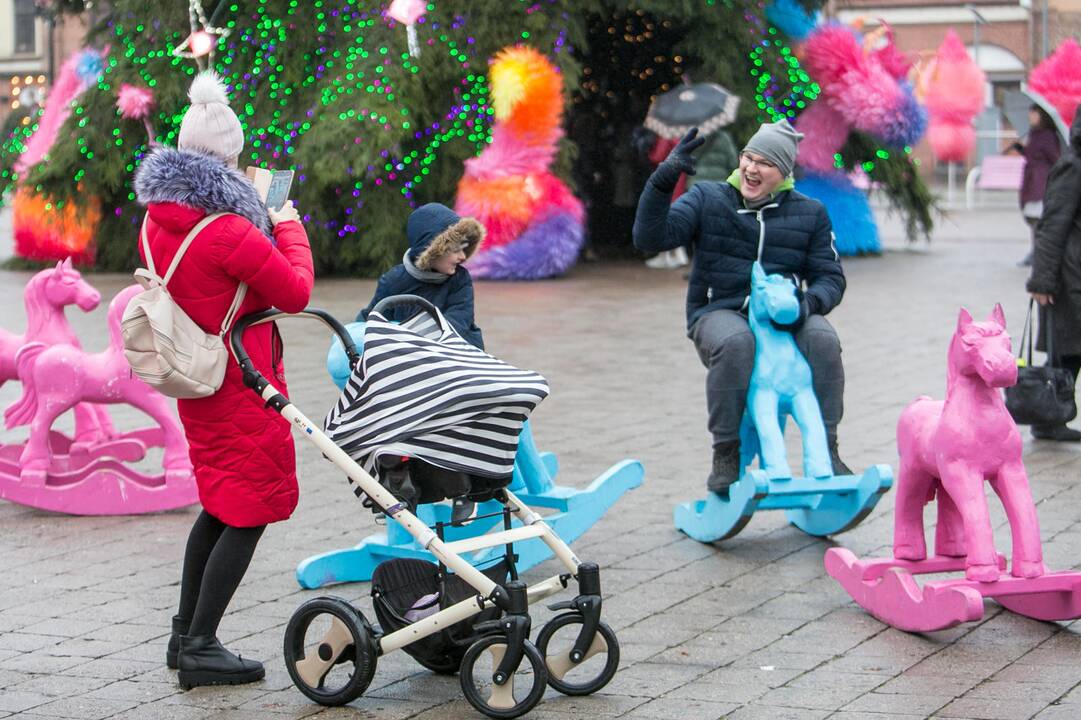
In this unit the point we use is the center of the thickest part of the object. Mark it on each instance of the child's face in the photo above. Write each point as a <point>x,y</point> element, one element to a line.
<point>448,264</point>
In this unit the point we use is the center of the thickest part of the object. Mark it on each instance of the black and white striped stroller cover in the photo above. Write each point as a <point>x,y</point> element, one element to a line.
<point>421,391</point>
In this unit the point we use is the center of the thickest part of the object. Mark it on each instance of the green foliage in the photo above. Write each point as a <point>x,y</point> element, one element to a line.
<point>898,176</point>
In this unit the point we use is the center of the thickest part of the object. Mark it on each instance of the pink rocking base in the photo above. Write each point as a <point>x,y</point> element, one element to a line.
<point>92,479</point>
<point>886,588</point>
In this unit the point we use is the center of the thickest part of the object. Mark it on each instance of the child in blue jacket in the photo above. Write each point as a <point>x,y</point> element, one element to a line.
<point>439,242</point>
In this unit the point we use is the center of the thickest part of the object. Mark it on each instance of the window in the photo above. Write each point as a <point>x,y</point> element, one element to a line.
<point>25,27</point>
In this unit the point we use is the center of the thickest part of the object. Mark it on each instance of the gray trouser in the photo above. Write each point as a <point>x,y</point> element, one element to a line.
<point>726,347</point>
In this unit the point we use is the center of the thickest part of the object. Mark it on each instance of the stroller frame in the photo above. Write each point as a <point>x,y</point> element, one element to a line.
<point>513,598</point>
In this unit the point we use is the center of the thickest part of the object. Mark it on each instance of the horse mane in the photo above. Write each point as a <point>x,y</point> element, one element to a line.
<point>952,371</point>
<point>37,313</point>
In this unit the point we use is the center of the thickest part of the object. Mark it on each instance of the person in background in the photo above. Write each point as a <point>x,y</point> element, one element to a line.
<point>1055,282</point>
<point>1041,150</point>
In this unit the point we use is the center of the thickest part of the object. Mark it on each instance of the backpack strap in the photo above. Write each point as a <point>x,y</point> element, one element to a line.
<point>241,290</point>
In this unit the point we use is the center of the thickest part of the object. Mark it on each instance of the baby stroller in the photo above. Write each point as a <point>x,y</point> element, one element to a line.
<point>451,615</point>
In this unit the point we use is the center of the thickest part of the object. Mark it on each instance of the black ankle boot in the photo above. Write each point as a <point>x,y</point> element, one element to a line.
<point>1058,433</point>
<point>839,467</point>
<point>180,627</point>
<point>203,661</point>
<point>726,467</point>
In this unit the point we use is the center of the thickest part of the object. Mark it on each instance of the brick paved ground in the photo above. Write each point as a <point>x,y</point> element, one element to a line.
<point>749,629</point>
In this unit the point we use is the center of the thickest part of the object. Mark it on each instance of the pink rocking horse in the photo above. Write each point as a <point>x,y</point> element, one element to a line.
<point>56,378</point>
<point>45,297</point>
<point>949,449</point>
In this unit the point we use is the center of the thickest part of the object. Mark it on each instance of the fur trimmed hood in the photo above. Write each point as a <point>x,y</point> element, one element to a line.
<point>199,180</point>
<point>436,230</point>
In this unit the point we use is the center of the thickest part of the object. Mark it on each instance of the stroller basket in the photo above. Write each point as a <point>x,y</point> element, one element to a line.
<point>404,586</point>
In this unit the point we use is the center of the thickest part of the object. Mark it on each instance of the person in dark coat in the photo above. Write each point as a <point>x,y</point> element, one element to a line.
<point>1041,150</point>
<point>439,242</point>
<point>755,215</point>
<point>1055,282</point>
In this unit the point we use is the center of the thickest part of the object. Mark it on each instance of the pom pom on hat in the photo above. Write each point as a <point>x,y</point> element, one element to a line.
<point>209,124</point>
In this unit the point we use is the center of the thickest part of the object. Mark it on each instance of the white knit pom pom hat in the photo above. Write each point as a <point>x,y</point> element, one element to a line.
<point>210,124</point>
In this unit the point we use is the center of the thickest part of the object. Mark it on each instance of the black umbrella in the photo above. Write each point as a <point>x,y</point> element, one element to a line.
<point>707,106</point>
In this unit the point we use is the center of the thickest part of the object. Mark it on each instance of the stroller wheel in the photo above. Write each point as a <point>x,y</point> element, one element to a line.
<point>518,695</point>
<point>330,651</point>
<point>593,671</point>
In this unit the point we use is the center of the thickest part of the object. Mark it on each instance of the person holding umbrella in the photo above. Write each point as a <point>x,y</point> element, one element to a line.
<point>755,215</point>
<point>709,107</point>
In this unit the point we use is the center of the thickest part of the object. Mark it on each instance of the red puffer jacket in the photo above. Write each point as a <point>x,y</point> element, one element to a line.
<point>243,454</point>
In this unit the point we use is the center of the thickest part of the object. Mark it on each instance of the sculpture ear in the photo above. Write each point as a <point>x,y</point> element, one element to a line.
<point>59,266</point>
<point>67,263</point>
<point>998,316</point>
<point>964,319</point>
<point>758,275</point>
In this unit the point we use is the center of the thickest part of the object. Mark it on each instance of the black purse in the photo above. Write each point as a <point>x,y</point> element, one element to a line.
<point>1042,395</point>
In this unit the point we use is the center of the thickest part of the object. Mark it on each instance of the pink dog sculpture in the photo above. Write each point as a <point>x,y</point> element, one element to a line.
<point>57,377</point>
<point>45,297</point>
<point>951,447</point>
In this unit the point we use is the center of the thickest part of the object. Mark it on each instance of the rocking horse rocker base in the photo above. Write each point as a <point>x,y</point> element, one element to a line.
<point>887,589</point>
<point>817,506</point>
<point>533,482</point>
<point>819,503</point>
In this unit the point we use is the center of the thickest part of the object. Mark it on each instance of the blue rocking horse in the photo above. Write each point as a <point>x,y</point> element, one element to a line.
<point>818,503</point>
<point>533,482</point>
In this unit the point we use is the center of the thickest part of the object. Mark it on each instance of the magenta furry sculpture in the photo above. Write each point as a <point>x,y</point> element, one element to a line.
<point>863,88</point>
<point>534,222</point>
<point>949,448</point>
<point>1058,78</point>
<point>954,96</point>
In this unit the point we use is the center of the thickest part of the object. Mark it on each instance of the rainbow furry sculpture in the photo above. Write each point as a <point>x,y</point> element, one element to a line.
<point>534,222</point>
<point>862,89</point>
<point>954,96</point>
<point>44,231</point>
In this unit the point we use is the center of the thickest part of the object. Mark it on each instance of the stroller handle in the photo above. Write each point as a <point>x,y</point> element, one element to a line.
<point>236,339</point>
<point>388,303</point>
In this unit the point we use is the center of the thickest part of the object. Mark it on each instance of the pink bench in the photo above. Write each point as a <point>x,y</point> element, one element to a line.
<point>996,172</point>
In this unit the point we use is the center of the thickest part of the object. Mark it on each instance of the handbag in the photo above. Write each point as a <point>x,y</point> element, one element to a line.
<point>1042,395</point>
<point>166,348</point>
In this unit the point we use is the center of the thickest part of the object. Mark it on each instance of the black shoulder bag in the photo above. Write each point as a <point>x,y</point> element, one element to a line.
<point>1042,395</point>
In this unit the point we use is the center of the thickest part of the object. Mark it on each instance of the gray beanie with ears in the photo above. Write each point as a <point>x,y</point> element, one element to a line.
<point>778,143</point>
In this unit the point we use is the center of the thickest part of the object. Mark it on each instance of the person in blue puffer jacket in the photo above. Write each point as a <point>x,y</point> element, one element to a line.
<point>439,242</point>
<point>755,215</point>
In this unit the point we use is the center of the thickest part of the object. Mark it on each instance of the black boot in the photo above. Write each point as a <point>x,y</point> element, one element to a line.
<point>203,661</point>
<point>726,467</point>
<point>1059,433</point>
<point>839,467</point>
<point>180,627</point>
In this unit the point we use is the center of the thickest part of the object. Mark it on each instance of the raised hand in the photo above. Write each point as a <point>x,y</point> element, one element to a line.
<point>286,212</point>
<point>678,162</point>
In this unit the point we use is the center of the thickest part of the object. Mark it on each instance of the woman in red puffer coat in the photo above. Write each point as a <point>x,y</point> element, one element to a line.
<point>242,452</point>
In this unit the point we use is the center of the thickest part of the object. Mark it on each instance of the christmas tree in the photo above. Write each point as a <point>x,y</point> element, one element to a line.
<point>331,89</point>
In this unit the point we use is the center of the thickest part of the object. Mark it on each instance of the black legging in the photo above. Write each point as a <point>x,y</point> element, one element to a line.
<point>216,558</point>
<point>1071,363</point>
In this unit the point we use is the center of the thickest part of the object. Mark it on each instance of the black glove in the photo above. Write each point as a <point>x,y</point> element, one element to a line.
<point>679,161</point>
<point>804,312</point>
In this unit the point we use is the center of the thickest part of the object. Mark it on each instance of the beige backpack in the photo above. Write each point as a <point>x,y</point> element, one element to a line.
<point>165,348</point>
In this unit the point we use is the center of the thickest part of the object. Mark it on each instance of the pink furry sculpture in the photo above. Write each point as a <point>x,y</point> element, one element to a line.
<point>954,96</point>
<point>860,90</point>
<point>534,223</point>
<point>1058,78</point>
<point>949,448</point>
<point>69,85</point>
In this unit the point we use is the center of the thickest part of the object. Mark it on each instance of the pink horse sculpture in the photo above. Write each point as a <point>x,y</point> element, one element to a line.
<point>57,377</point>
<point>951,447</point>
<point>45,297</point>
